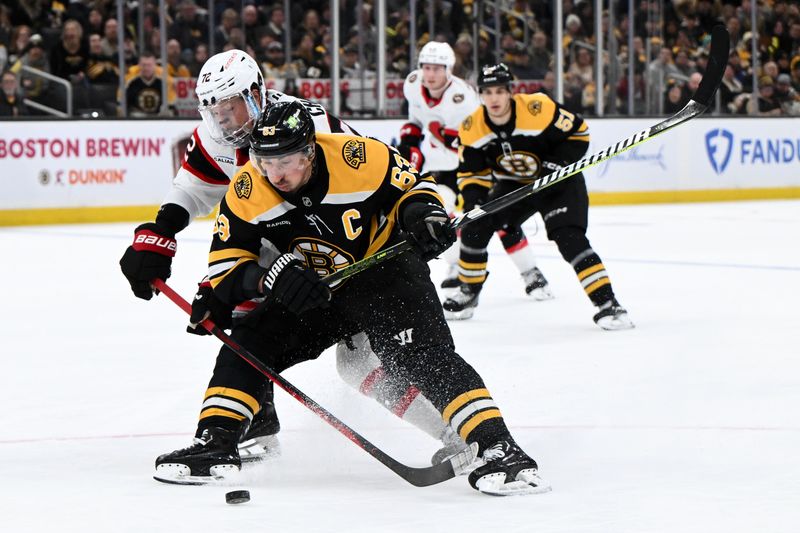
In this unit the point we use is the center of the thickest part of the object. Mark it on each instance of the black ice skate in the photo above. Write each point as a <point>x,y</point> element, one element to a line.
<point>508,471</point>
<point>260,441</point>
<point>612,316</point>
<point>462,304</point>
<point>536,285</point>
<point>212,458</point>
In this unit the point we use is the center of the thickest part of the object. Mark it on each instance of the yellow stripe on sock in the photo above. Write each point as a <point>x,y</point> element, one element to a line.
<point>216,411</point>
<point>462,400</point>
<point>589,271</point>
<point>467,428</point>
<point>597,284</point>
<point>472,266</point>
<point>243,397</point>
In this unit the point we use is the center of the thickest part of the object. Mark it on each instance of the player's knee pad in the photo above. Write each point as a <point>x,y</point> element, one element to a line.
<point>571,241</point>
<point>477,234</point>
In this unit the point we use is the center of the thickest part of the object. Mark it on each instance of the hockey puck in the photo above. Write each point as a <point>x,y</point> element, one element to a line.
<point>237,496</point>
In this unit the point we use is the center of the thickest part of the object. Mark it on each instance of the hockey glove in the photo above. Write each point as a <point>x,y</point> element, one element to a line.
<point>429,229</point>
<point>206,305</point>
<point>298,289</point>
<point>149,257</point>
<point>412,154</point>
<point>448,137</point>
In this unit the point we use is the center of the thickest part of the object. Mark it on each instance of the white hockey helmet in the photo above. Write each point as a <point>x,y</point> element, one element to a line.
<point>436,53</point>
<point>225,91</point>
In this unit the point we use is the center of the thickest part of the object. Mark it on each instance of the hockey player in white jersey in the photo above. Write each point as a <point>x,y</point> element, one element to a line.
<point>230,89</point>
<point>437,104</point>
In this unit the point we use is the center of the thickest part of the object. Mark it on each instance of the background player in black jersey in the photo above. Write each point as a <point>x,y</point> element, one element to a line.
<point>506,143</point>
<point>315,204</point>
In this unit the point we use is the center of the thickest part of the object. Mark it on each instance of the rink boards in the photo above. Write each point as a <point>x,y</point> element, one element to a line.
<point>107,170</point>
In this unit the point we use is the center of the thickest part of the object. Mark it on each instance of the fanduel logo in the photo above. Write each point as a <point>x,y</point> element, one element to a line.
<point>719,145</point>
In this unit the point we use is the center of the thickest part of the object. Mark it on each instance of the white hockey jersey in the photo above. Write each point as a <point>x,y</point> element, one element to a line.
<point>203,179</point>
<point>439,119</point>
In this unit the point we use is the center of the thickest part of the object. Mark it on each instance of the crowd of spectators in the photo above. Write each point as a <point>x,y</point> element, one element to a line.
<point>78,41</point>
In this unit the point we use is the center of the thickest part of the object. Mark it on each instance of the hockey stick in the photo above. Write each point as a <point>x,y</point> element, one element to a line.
<point>419,477</point>
<point>718,57</point>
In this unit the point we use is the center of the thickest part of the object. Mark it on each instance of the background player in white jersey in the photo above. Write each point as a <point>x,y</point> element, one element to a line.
<point>437,104</point>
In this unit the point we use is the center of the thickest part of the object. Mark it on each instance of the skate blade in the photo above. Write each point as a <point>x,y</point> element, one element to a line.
<point>525,484</point>
<point>464,314</point>
<point>178,474</point>
<point>259,449</point>
<point>614,323</point>
<point>541,294</point>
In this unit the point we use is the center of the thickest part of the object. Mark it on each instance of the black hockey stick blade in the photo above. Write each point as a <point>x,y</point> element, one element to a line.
<point>720,44</point>
<point>717,60</point>
<point>419,477</point>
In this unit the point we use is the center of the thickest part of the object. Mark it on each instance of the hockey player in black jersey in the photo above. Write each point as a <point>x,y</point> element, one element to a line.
<point>313,204</point>
<point>508,142</point>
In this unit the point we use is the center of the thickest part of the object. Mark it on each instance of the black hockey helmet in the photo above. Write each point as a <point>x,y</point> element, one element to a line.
<point>494,75</point>
<point>282,129</point>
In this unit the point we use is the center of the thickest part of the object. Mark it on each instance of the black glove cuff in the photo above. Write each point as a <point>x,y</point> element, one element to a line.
<point>172,217</point>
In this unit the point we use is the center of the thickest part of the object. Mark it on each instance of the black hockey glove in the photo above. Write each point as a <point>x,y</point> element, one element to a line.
<point>298,289</point>
<point>149,257</point>
<point>206,305</point>
<point>412,154</point>
<point>429,229</point>
<point>472,196</point>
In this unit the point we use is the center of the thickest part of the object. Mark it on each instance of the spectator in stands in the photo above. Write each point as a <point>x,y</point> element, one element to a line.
<point>11,104</point>
<point>548,86</point>
<point>583,67</point>
<point>682,63</point>
<point>675,97</point>
<point>351,68</point>
<point>253,26</point>
<point>541,58</point>
<point>275,65</point>
<point>275,23</point>
<point>520,64</point>
<point>305,55</point>
<point>795,73</point>
<point>312,26</point>
<point>485,53</point>
<point>94,22</point>
<point>110,38</point>
<point>20,37</point>
<point>175,66</point>
<point>768,105</point>
<point>573,31</point>
<point>786,96</point>
<point>70,56</point>
<point>463,67</point>
<point>190,28</point>
<point>102,69</point>
<point>230,20</point>
<point>143,92</point>
<point>199,58</point>
<point>730,88</point>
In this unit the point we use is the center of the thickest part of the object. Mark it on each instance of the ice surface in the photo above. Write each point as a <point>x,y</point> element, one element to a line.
<point>689,423</point>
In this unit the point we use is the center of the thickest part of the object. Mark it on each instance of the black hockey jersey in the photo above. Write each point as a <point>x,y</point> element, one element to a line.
<point>349,210</point>
<point>540,132</point>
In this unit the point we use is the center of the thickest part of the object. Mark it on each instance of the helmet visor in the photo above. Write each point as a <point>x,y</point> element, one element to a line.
<point>271,164</point>
<point>230,121</point>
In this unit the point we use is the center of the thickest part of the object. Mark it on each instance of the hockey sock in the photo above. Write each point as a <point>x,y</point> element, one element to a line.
<point>226,407</point>
<point>516,246</point>
<point>575,248</point>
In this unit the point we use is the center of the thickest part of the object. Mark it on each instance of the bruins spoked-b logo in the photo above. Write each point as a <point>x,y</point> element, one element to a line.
<point>535,107</point>
<point>323,257</point>
<point>243,185</point>
<point>521,164</point>
<point>467,124</point>
<point>354,153</point>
